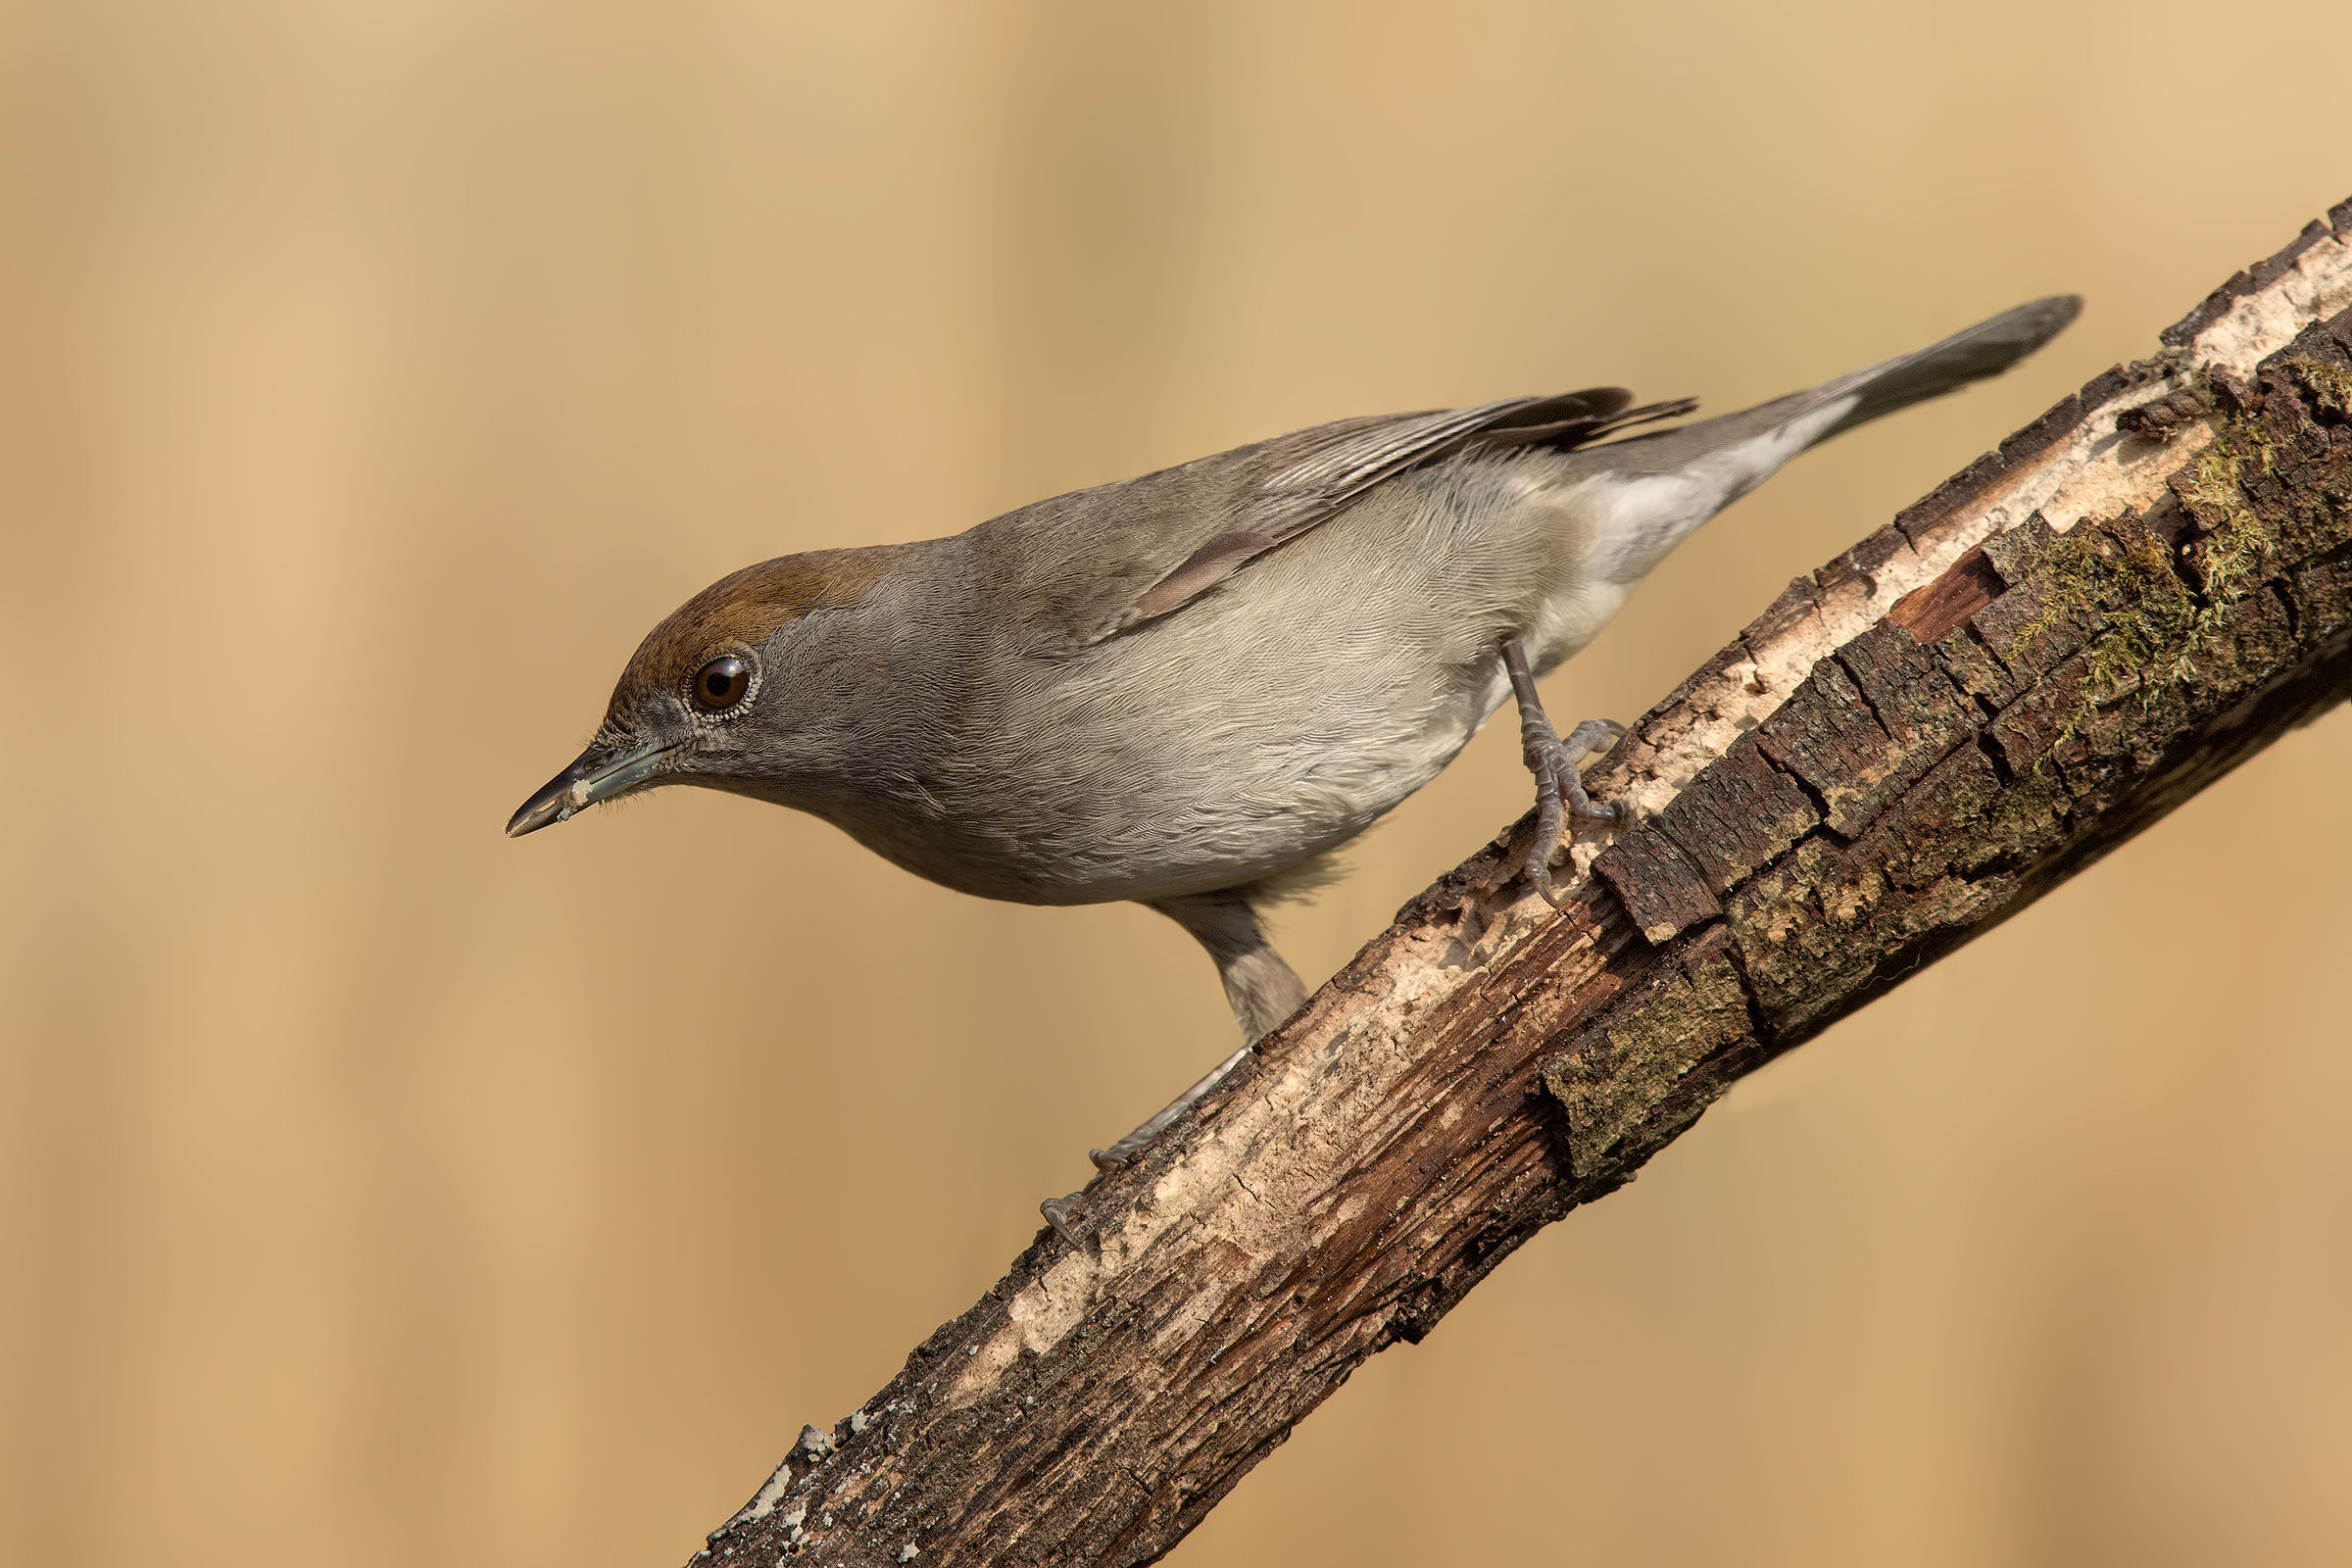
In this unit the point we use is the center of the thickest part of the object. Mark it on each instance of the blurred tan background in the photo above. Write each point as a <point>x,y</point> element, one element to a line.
<point>376,1190</point>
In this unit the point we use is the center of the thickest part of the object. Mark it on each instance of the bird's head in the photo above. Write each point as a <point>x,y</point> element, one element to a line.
<point>732,691</point>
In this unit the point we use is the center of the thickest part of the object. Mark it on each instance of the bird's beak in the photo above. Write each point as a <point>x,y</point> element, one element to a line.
<point>599,773</point>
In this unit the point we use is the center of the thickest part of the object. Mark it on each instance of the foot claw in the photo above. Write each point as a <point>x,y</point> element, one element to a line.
<point>1062,1214</point>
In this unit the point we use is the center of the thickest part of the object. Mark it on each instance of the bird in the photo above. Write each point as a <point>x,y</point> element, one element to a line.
<point>1190,689</point>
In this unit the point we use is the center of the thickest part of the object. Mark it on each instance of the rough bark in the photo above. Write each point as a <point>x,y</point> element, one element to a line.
<point>2053,650</point>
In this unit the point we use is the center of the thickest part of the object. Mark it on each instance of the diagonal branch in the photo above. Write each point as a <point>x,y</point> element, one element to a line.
<point>2057,646</point>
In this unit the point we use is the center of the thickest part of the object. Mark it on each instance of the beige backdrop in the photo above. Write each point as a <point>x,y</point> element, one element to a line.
<point>374,1191</point>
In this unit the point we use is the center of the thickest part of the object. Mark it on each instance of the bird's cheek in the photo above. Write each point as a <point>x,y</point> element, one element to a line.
<point>718,748</point>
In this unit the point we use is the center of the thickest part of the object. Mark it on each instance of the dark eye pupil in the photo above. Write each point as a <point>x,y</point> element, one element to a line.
<point>723,682</point>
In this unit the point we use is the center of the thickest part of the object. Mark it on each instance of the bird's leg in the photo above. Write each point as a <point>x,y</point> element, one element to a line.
<point>1559,787</point>
<point>1264,992</point>
<point>1121,1155</point>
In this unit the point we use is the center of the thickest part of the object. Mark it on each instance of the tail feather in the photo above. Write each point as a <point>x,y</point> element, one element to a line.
<point>1649,491</point>
<point>1794,421</point>
<point>1975,354</point>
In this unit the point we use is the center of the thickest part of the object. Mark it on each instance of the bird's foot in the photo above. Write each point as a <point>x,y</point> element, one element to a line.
<point>1559,787</point>
<point>1062,1212</point>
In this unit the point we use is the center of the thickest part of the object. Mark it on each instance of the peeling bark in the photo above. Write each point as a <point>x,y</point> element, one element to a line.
<point>2057,646</point>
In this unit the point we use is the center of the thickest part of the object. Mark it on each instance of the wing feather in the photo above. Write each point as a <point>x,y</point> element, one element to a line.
<point>1341,462</point>
<point>1091,565</point>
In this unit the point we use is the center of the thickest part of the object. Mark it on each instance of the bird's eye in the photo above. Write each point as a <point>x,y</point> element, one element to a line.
<point>722,683</point>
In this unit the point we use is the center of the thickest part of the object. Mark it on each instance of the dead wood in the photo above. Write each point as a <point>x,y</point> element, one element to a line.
<point>2060,645</point>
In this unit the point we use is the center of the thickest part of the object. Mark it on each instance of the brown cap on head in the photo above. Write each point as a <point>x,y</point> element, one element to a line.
<point>744,608</point>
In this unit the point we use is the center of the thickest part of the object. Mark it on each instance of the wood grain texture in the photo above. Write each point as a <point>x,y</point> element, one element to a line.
<point>2052,651</point>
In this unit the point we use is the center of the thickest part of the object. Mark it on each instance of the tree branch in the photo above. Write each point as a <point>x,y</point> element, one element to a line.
<point>2056,648</point>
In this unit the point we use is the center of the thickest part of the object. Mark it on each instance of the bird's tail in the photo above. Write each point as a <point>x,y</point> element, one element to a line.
<point>1657,488</point>
<point>1973,353</point>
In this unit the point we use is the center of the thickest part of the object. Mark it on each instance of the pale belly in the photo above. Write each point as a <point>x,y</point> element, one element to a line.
<point>1179,800</point>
